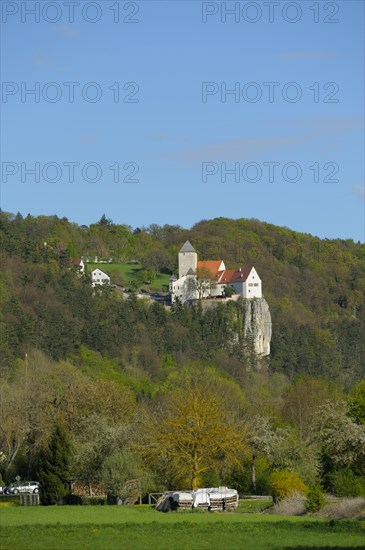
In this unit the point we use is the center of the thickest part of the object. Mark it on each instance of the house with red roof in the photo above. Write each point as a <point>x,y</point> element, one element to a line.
<point>209,279</point>
<point>79,263</point>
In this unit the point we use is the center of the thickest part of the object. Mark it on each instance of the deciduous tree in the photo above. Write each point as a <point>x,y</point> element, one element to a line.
<point>192,432</point>
<point>342,441</point>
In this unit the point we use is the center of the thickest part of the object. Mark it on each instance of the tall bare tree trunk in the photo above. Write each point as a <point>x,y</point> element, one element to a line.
<point>194,474</point>
<point>253,473</point>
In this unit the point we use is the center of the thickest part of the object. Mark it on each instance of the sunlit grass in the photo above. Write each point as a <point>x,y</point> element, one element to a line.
<point>128,273</point>
<point>137,528</point>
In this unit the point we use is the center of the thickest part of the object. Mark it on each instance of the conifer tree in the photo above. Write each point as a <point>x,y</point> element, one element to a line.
<point>54,471</point>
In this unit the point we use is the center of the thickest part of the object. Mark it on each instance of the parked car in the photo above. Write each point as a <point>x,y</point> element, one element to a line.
<point>22,487</point>
<point>8,489</point>
<point>1,489</point>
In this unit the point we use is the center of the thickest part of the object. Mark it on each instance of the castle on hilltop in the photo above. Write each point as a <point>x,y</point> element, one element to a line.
<point>210,279</point>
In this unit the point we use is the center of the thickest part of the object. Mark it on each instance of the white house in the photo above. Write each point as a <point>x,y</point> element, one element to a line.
<point>198,279</point>
<point>244,281</point>
<point>98,277</point>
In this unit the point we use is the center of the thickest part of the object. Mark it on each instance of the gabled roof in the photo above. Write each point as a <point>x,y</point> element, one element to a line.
<point>100,271</point>
<point>191,272</point>
<point>235,275</point>
<point>212,265</point>
<point>188,247</point>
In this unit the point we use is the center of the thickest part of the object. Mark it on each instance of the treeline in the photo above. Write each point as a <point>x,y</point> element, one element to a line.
<point>93,423</point>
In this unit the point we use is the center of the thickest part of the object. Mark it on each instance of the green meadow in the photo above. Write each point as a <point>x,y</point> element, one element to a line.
<point>141,527</point>
<point>128,273</point>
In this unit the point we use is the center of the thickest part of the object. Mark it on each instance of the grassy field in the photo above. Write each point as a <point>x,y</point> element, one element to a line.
<point>128,273</point>
<point>140,528</point>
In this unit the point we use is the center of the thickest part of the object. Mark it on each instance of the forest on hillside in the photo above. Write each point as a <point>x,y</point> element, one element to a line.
<point>120,375</point>
<point>315,290</point>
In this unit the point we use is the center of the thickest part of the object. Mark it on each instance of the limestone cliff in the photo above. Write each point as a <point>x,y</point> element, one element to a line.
<point>254,324</point>
<point>257,324</point>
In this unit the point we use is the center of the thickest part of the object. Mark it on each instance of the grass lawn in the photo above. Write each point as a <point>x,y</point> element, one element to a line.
<point>140,527</point>
<point>128,273</point>
<point>254,506</point>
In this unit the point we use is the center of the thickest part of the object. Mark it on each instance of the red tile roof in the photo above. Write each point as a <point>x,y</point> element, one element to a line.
<point>235,275</point>
<point>227,275</point>
<point>212,265</point>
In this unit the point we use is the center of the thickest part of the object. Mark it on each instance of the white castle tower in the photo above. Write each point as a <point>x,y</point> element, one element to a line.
<point>188,260</point>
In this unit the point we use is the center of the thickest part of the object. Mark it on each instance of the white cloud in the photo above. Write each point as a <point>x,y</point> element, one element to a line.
<point>171,138</point>
<point>322,132</point>
<point>42,61</point>
<point>88,139</point>
<point>310,54</point>
<point>236,148</point>
<point>332,124</point>
<point>359,191</point>
<point>66,31</point>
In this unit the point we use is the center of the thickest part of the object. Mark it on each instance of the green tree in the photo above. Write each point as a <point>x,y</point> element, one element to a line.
<point>304,395</point>
<point>340,439</point>
<point>123,476</point>
<point>229,291</point>
<point>204,281</point>
<point>54,470</point>
<point>357,403</point>
<point>315,498</point>
<point>261,438</point>
<point>192,432</point>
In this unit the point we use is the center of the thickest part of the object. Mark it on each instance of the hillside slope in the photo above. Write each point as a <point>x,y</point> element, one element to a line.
<point>315,290</point>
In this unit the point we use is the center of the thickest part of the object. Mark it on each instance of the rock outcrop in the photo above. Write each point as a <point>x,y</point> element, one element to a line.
<point>257,324</point>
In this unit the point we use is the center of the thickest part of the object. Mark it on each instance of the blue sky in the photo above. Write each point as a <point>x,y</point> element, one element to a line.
<point>286,147</point>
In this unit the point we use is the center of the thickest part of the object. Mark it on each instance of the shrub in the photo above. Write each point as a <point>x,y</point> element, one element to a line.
<point>344,483</point>
<point>315,498</point>
<point>72,500</point>
<point>94,501</point>
<point>284,483</point>
<point>292,505</point>
<point>228,291</point>
<point>345,508</point>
